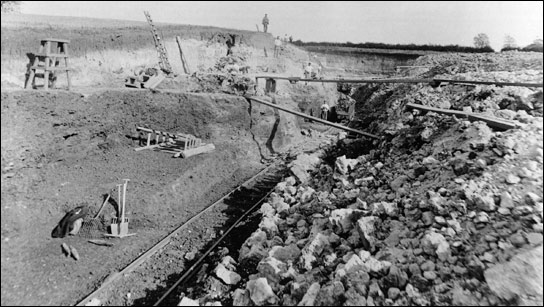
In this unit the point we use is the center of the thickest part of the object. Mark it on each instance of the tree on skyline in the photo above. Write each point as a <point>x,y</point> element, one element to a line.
<point>10,6</point>
<point>481,40</point>
<point>509,42</point>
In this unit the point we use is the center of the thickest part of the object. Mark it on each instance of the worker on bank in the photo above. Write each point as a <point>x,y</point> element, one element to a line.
<point>285,38</point>
<point>277,46</point>
<point>230,43</point>
<point>319,69</point>
<point>308,72</point>
<point>324,110</point>
<point>265,22</point>
<point>291,39</point>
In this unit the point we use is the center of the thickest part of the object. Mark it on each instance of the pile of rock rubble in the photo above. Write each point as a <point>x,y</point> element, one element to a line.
<point>441,211</point>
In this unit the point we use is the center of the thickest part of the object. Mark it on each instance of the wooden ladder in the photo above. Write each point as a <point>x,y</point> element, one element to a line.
<point>163,56</point>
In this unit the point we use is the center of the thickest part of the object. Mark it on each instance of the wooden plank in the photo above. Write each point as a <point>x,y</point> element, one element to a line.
<point>319,120</point>
<point>490,83</point>
<point>57,40</point>
<point>498,124</point>
<point>57,55</point>
<point>147,147</point>
<point>154,81</point>
<point>50,68</point>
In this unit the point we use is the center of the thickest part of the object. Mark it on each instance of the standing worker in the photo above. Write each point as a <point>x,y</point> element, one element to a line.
<point>265,22</point>
<point>277,46</point>
<point>308,72</point>
<point>324,110</point>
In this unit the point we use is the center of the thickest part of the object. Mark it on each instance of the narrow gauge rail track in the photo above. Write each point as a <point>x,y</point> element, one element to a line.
<point>239,203</point>
<point>265,188</point>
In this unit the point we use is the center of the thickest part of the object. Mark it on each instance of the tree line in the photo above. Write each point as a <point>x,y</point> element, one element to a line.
<point>443,48</point>
<point>481,44</point>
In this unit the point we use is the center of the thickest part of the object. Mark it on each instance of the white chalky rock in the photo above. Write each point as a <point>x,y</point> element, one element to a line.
<point>351,194</point>
<point>302,164</point>
<point>291,190</point>
<point>312,249</point>
<point>268,225</point>
<point>281,206</point>
<point>435,242</point>
<point>329,259</point>
<point>429,160</point>
<point>185,301</point>
<point>481,217</point>
<point>376,266</point>
<point>260,292</point>
<point>520,277</point>
<point>280,187</point>
<point>384,208</point>
<point>227,276</point>
<point>213,304</point>
<point>228,262</point>
<point>364,255</point>
<point>291,181</point>
<point>343,165</point>
<point>365,227</point>
<point>353,262</point>
<point>343,219</point>
<point>290,200</point>
<point>311,295</point>
<point>271,268</point>
<point>359,181</point>
<point>267,210</point>
<point>485,202</point>
<point>307,195</point>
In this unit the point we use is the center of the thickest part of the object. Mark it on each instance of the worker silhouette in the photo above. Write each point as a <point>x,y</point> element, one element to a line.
<point>265,23</point>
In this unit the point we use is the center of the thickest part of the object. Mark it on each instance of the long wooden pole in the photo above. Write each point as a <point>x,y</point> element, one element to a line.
<point>436,81</point>
<point>491,122</point>
<point>319,120</point>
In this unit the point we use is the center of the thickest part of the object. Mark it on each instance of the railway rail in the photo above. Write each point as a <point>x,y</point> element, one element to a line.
<point>240,202</point>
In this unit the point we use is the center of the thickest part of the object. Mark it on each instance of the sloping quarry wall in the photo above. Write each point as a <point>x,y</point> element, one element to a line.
<point>343,61</point>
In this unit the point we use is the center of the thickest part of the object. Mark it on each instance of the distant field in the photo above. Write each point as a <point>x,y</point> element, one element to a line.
<point>21,33</point>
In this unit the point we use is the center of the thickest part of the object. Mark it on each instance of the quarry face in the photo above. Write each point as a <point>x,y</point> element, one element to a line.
<point>442,207</point>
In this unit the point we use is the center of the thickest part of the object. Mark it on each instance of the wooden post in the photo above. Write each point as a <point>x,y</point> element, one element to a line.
<point>257,26</point>
<point>148,138</point>
<point>183,60</point>
<point>46,71</point>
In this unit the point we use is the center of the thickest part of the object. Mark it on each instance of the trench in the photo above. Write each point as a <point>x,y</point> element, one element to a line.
<point>235,206</point>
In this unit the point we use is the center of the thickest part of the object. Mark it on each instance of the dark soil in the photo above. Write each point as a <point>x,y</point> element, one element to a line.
<point>61,150</point>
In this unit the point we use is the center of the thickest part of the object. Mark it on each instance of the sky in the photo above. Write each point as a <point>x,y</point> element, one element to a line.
<point>395,22</point>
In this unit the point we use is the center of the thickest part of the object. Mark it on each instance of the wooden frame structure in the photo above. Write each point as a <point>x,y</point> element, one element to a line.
<point>169,142</point>
<point>49,61</point>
